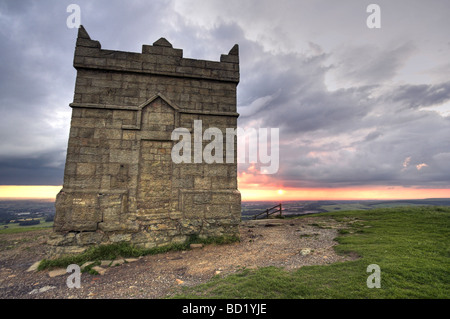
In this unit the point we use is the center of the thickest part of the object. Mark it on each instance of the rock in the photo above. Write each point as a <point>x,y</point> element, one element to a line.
<point>174,257</point>
<point>61,239</point>
<point>117,238</point>
<point>130,260</point>
<point>57,272</point>
<point>179,281</point>
<point>196,246</point>
<point>305,251</point>
<point>105,263</point>
<point>40,290</point>
<point>34,266</point>
<point>101,271</point>
<point>89,238</point>
<point>60,251</point>
<point>117,262</point>
<point>86,264</point>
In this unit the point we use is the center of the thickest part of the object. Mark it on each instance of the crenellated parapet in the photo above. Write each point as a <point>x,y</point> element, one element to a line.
<point>158,59</point>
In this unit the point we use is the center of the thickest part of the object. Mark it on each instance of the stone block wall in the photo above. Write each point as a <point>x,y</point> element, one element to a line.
<point>120,183</point>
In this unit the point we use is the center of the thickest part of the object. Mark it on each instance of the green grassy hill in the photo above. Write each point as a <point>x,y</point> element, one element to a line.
<point>409,244</point>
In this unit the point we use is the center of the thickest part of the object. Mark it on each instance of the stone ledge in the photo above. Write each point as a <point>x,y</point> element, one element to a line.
<point>165,70</point>
<point>136,108</point>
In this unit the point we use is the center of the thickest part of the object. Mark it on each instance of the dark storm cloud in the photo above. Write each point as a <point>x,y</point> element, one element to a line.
<point>30,171</point>
<point>368,130</point>
<point>37,78</point>
<point>374,158</point>
<point>352,136</point>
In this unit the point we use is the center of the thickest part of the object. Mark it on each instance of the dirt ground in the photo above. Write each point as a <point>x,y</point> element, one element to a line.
<point>288,243</point>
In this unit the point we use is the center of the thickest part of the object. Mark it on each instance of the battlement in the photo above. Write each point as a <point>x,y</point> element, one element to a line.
<point>157,59</point>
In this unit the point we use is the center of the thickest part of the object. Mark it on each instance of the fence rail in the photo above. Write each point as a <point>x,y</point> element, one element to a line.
<point>268,212</point>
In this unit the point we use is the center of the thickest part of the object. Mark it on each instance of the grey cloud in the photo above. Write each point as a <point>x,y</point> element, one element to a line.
<point>377,160</point>
<point>334,124</point>
<point>369,65</point>
<point>414,96</point>
<point>31,171</point>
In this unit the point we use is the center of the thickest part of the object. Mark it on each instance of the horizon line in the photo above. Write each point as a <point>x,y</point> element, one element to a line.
<point>255,200</point>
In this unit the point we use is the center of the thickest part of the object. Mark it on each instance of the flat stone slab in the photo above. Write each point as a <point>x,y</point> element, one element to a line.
<point>105,263</point>
<point>57,272</point>
<point>117,262</point>
<point>101,271</point>
<point>130,260</point>
<point>34,266</point>
<point>86,264</point>
<point>40,290</point>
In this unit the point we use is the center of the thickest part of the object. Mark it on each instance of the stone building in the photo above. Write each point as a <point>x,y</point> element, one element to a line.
<point>120,183</point>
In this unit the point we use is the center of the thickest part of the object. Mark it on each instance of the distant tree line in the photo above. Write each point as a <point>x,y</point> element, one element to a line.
<point>5,218</point>
<point>30,222</point>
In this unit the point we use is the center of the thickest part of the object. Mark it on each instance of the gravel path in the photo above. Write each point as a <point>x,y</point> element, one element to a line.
<point>288,243</point>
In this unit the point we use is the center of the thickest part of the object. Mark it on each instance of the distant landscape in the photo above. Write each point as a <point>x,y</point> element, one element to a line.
<point>294,208</point>
<point>17,215</point>
<point>40,213</point>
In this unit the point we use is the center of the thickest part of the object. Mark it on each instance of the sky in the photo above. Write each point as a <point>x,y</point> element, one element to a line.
<point>362,113</point>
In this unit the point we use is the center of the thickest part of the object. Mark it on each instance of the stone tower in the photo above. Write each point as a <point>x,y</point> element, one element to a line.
<point>120,182</point>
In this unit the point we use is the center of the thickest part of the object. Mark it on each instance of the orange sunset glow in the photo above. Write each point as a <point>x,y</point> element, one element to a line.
<point>361,193</point>
<point>29,192</point>
<point>252,192</point>
<point>260,187</point>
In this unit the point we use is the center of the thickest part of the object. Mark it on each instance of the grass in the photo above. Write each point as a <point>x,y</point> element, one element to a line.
<point>126,250</point>
<point>14,228</point>
<point>410,245</point>
<point>345,207</point>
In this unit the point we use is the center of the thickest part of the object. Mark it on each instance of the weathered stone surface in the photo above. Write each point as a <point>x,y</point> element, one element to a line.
<point>62,239</point>
<point>86,264</point>
<point>90,238</point>
<point>130,260</point>
<point>101,271</point>
<point>57,272</point>
<point>120,183</point>
<point>117,262</point>
<point>305,251</point>
<point>41,290</point>
<point>34,266</point>
<point>105,263</point>
<point>59,251</point>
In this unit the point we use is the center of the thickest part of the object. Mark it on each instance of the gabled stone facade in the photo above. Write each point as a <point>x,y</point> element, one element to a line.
<point>120,183</point>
